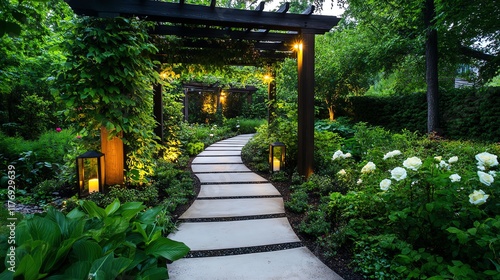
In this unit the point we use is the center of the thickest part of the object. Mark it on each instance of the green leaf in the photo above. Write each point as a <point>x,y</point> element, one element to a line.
<point>111,208</point>
<point>44,229</point>
<point>77,270</point>
<point>109,267</point>
<point>149,216</point>
<point>86,250</point>
<point>167,248</point>
<point>429,206</point>
<point>158,273</point>
<point>92,209</point>
<point>472,231</point>
<point>29,268</point>
<point>130,209</point>
<point>57,259</point>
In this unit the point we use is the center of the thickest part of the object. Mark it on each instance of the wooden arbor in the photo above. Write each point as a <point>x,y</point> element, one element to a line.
<point>263,37</point>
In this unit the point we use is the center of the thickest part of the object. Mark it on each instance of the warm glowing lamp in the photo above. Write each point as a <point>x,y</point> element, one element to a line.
<point>93,185</point>
<point>276,156</point>
<point>90,172</point>
<point>297,46</point>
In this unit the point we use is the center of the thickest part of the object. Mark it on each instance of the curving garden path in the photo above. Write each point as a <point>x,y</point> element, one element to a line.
<point>237,228</point>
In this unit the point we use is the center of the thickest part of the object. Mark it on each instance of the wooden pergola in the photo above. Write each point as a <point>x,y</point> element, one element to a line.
<point>251,36</point>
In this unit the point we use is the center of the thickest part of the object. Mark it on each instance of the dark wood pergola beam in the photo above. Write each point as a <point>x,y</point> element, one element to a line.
<point>204,15</point>
<point>197,32</point>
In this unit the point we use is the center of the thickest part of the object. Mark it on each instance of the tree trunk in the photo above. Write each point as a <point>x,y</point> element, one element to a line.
<point>331,113</point>
<point>431,75</point>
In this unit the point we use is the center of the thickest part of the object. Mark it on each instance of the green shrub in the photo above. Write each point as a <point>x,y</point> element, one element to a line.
<point>195,148</point>
<point>465,114</point>
<point>33,115</point>
<point>119,241</point>
<point>316,223</point>
<point>244,126</point>
<point>298,202</point>
<point>147,194</point>
<point>424,208</point>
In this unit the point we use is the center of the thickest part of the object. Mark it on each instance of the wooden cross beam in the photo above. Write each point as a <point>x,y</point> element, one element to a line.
<point>203,15</point>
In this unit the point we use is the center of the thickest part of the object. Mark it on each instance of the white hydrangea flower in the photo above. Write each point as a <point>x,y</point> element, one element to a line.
<point>455,178</point>
<point>385,184</point>
<point>412,163</point>
<point>392,154</point>
<point>398,173</point>
<point>486,159</point>
<point>453,159</point>
<point>485,178</point>
<point>369,167</point>
<point>478,197</point>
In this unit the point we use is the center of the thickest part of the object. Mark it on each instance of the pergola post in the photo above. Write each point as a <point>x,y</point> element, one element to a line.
<point>112,148</point>
<point>305,64</point>
<point>158,110</point>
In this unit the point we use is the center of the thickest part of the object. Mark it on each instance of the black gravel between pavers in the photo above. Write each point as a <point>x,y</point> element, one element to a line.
<point>243,250</point>
<point>229,219</point>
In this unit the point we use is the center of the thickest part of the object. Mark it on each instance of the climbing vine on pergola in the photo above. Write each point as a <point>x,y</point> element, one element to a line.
<point>234,37</point>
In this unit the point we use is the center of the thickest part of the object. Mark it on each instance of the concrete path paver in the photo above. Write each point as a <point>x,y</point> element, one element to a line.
<point>291,264</point>
<point>225,208</point>
<point>235,234</point>
<point>222,160</point>
<point>239,211</point>
<point>205,168</point>
<point>219,153</point>
<point>240,177</point>
<point>235,190</point>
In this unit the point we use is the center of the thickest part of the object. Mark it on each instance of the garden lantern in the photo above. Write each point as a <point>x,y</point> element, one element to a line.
<point>90,172</point>
<point>276,156</point>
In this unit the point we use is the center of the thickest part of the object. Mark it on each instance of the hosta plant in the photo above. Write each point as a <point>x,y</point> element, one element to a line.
<point>121,241</point>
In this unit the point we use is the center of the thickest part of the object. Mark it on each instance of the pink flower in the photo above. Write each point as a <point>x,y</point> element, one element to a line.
<point>58,129</point>
<point>78,137</point>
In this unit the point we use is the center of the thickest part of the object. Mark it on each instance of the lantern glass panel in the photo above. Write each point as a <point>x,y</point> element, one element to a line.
<point>90,173</point>
<point>276,156</point>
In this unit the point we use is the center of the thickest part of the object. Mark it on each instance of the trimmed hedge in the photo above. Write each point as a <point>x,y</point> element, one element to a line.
<point>466,114</point>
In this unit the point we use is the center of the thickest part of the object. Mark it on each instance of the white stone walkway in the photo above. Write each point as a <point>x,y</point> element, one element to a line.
<point>237,228</point>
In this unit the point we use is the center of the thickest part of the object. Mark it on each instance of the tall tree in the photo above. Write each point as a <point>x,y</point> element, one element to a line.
<point>468,33</point>
<point>431,62</point>
<point>340,67</point>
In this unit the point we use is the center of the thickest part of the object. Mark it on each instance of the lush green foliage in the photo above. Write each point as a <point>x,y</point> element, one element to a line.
<point>116,242</point>
<point>421,222</point>
<point>36,160</point>
<point>27,60</point>
<point>107,83</point>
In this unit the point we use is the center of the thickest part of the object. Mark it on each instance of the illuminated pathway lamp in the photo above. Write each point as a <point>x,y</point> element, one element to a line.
<point>277,156</point>
<point>90,173</point>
